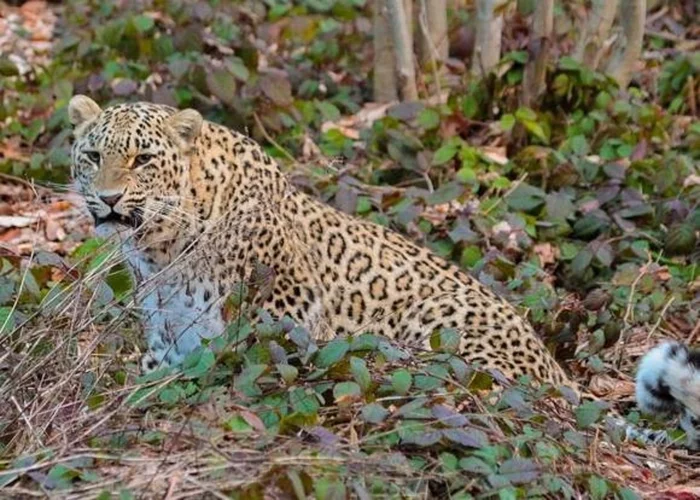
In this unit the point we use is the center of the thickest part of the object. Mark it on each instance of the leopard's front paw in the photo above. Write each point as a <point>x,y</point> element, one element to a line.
<point>149,363</point>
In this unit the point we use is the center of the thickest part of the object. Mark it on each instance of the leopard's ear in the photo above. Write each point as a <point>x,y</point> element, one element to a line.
<point>82,109</point>
<point>187,124</point>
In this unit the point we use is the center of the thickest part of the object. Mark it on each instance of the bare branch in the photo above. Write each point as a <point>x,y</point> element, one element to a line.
<point>628,47</point>
<point>403,49</point>
<point>489,27</point>
<point>433,43</point>
<point>540,45</point>
<point>591,44</point>
<point>385,84</point>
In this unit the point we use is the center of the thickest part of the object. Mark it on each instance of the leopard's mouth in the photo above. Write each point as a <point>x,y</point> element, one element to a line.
<point>134,221</point>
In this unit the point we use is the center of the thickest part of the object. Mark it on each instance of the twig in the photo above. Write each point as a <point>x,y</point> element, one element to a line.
<point>629,311</point>
<point>507,193</point>
<point>694,333</point>
<point>692,100</point>
<point>423,22</point>
<point>26,421</point>
<point>269,139</point>
<point>661,317</point>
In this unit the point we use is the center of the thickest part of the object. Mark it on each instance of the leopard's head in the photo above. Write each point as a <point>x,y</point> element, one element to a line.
<point>131,161</point>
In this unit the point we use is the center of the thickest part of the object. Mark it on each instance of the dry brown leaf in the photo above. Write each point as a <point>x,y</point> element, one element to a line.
<point>547,253</point>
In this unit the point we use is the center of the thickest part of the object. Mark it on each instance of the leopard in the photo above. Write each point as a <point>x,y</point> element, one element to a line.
<point>198,209</point>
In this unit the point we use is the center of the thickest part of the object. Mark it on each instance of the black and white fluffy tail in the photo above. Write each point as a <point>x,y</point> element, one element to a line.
<point>668,384</point>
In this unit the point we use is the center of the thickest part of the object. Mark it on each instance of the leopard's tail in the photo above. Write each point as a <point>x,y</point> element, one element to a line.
<point>668,384</point>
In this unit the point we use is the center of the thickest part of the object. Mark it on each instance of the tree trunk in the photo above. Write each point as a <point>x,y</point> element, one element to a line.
<point>628,47</point>
<point>540,45</point>
<point>403,49</point>
<point>590,45</point>
<point>385,84</point>
<point>487,48</point>
<point>433,45</point>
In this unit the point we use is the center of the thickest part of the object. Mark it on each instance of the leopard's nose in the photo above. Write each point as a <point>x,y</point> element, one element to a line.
<point>111,199</point>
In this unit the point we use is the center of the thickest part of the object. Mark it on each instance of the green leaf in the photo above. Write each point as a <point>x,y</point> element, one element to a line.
<point>470,106</point>
<point>277,88</point>
<point>143,23</point>
<point>445,153</point>
<point>344,389</point>
<point>401,381</point>
<point>628,494</point>
<point>475,465</point>
<point>525,197</point>
<point>7,320</point>
<point>246,380</point>
<point>374,413</point>
<point>238,424</point>
<point>199,363</point>
<point>471,255</point>
<point>359,370</point>
<point>288,372</point>
<point>598,487</point>
<point>537,130</point>
<point>332,352</point>
<point>445,340</point>
<point>429,119</point>
<point>445,194</point>
<point>588,413</point>
<point>304,401</point>
<point>520,470</point>
<point>507,122</point>
<point>525,115</point>
<point>170,395</point>
<point>222,84</point>
<point>238,68</point>
<point>328,110</point>
<point>581,262</point>
<point>8,68</point>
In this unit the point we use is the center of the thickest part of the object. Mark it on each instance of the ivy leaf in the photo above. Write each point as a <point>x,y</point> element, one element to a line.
<point>429,119</point>
<point>520,470</point>
<point>471,438</point>
<point>359,370</point>
<point>288,373</point>
<point>304,401</point>
<point>343,390</point>
<point>198,364</point>
<point>507,122</point>
<point>445,153</point>
<point>374,413</point>
<point>222,84</point>
<point>277,88</point>
<point>444,194</point>
<point>525,197</point>
<point>598,487</point>
<point>588,413</point>
<point>245,382</point>
<point>332,352</point>
<point>143,23</point>
<point>401,381</point>
<point>581,262</point>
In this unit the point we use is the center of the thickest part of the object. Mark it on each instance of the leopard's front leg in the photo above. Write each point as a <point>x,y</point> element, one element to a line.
<point>176,318</point>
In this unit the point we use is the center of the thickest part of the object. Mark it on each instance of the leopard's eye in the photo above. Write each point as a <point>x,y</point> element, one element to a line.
<point>93,156</point>
<point>142,159</point>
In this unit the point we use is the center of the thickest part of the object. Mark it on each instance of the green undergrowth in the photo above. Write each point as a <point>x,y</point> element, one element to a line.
<point>365,417</point>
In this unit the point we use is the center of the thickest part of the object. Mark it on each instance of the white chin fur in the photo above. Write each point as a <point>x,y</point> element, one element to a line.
<point>111,229</point>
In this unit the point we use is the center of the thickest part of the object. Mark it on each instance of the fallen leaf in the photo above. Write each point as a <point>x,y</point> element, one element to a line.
<point>547,253</point>
<point>16,221</point>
